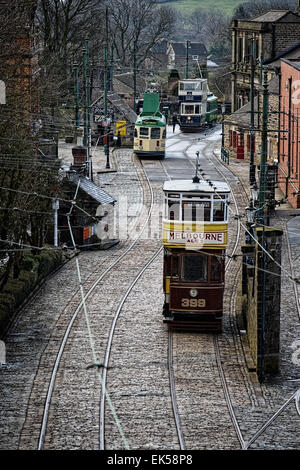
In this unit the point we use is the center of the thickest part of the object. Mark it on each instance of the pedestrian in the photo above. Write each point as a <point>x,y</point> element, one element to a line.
<point>174,122</point>
<point>119,140</point>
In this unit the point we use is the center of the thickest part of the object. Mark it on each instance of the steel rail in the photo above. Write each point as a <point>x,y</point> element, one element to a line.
<point>71,322</point>
<point>173,392</point>
<point>216,344</point>
<point>109,344</point>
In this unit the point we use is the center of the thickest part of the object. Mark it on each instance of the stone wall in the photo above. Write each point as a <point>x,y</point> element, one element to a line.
<point>261,286</point>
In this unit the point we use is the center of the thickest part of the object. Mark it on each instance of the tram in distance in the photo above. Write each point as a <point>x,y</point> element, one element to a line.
<point>198,107</point>
<point>150,128</point>
<point>195,236</point>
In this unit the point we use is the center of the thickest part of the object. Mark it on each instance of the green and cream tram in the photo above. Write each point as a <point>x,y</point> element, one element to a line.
<point>150,128</point>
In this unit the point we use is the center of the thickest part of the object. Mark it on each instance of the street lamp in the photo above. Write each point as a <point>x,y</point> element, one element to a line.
<point>254,191</point>
<point>250,213</point>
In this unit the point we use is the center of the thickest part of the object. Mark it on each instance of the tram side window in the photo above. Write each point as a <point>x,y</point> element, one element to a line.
<point>164,134</point>
<point>174,272</point>
<point>195,211</point>
<point>194,268</point>
<point>197,109</point>
<point>173,210</point>
<point>135,132</point>
<point>216,269</point>
<point>155,133</point>
<point>219,211</point>
<point>144,131</point>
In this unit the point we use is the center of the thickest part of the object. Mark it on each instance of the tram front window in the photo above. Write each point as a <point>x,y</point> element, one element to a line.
<point>155,133</point>
<point>194,268</point>
<point>196,211</point>
<point>216,269</point>
<point>144,131</point>
<point>173,210</point>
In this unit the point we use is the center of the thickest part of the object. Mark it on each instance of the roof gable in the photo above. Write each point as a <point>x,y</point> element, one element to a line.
<point>277,16</point>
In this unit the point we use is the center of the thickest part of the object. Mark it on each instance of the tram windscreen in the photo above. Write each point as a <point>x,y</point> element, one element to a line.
<point>155,133</point>
<point>196,211</point>
<point>216,269</point>
<point>173,210</point>
<point>194,268</point>
<point>144,131</point>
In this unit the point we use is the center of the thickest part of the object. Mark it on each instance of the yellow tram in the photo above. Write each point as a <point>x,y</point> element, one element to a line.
<point>195,236</point>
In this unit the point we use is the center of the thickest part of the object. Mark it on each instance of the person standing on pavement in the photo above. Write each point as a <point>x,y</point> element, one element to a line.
<point>174,121</point>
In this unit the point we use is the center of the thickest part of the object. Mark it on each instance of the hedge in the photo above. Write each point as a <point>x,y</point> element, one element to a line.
<point>34,269</point>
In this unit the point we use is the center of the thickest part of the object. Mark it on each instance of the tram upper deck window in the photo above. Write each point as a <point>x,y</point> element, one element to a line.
<point>155,133</point>
<point>190,86</point>
<point>173,210</point>
<point>196,211</point>
<point>219,211</point>
<point>194,268</point>
<point>144,131</point>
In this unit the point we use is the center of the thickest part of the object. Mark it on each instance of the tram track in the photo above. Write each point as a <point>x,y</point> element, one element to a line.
<point>95,284</point>
<point>215,337</point>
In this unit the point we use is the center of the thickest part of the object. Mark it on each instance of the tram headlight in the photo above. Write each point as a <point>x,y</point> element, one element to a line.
<point>193,292</point>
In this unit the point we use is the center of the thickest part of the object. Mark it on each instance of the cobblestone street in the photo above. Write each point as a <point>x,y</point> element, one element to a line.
<point>137,408</point>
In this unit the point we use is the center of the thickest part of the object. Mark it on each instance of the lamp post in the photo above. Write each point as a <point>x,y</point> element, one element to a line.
<point>223,109</point>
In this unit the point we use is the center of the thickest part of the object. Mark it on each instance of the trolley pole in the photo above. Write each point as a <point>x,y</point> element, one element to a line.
<point>252,135</point>
<point>76,92</point>
<point>106,137</point>
<point>187,45</point>
<point>111,75</point>
<point>261,219</point>
<point>134,75</point>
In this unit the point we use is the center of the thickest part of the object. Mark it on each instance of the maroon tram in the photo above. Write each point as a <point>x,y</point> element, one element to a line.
<point>195,233</point>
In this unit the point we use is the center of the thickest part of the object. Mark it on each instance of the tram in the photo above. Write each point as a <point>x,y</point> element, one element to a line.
<point>211,109</point>
<point>192,96</point>
<point>150,128</point>
<point>195,236</point>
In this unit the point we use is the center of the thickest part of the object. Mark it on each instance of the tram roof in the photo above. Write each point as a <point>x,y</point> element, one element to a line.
<point>187,186</point>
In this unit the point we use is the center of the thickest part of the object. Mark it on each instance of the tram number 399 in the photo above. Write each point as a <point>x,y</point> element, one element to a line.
<point>194,303</point>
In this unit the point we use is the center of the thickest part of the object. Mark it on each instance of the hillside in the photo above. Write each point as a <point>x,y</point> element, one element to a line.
<point>187,6</point>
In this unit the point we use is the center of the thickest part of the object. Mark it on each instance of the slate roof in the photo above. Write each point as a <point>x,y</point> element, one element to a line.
<point>127,79</point>
<point>116,101</point>
<point>196,48</point>
<point>273,16</point>
<point>92,190</point>
<point>284,53</point>
<point>160,47</point>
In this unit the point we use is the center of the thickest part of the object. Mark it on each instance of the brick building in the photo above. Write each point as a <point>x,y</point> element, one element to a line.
<point>19,67</point>
<point>272,33</point>
<point>289,157</point>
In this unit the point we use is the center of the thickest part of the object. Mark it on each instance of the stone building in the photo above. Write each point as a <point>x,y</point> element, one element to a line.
<point>270,34</point>
<point>289,157</point>
<point>177,54</point>
<point>237,127</point>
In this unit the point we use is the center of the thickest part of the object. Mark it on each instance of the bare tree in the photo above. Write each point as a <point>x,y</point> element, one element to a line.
<point>138,24</point>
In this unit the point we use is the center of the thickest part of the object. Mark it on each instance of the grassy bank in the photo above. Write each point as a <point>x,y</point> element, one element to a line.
<point>188,6</point>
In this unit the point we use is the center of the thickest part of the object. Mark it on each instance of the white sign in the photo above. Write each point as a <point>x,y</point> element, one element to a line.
<point>2,92</point>
<point>196,238</point>
<point>2,352</point>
